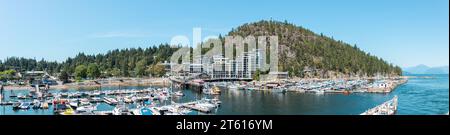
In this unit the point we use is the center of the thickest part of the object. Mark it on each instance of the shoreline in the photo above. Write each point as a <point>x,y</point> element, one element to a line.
<point>164,82</point>
<point>95,84</point>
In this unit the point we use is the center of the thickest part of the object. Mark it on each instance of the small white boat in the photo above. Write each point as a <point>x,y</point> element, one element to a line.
<point>16,105</point>
<point>95,94</point>
<point>110,100</point>
<point>36,104</point>
<point>121,109</point>
<point>279,90</point>
<point>215,101</point>
<point>233,87</point>
<point>318,92</point>
<point>85,107</point>
<point>178,93</point>
<point>24,105</point>
<point>44,105</point>
<point>127,100</point>
<point>21,96</point>
<point>74,103</point>
<point>211,91</point>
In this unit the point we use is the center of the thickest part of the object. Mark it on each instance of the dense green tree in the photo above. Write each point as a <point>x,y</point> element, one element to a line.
<point>64,76</point>
<point>256,75</point>
<point>115,72</point>
<point>80,72</point>
<point>7,75</point>
<point>156,70</point>
<point>93,71</point>
<point>140,68</point>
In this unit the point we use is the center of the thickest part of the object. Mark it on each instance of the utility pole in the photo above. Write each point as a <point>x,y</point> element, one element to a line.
<point>1,93</point>
<point>1,97</point>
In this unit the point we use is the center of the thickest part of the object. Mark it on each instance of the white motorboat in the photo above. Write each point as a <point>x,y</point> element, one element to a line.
<point>121,109</point>
<point>232,87</point>
<point>74,103</point>
<point>110,100</point>
<point>21,96</point>
<point>211,91</point>
<point>178,93</point>
<point>24,105</point>
<point>279,90</point>
<point>36,104</point>
<point>85,107</point>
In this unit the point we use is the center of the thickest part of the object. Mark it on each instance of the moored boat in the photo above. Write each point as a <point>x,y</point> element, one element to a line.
<point>211,91</point>
<point>121,109</point>
<point>233,87</point>
<point>178,93</point>
<point>85,107</point>
<point>73,103</point>
<point>68,111</point>
<point>36,104</point>
<point>21,96</point>
<point>279,90</point>
<point>24,105</point>
<point>44,105</point>
<point>16,105</point>
<point>110,100</point>
<point>60,108</point>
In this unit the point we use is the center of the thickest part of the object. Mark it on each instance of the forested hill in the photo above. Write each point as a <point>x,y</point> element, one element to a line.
<point>304,53</point>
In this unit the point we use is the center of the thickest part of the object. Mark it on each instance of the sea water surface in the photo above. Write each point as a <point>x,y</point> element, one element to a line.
<point>419,96</point>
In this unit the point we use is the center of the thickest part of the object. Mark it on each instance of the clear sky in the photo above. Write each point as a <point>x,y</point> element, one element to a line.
<point>403,32</point>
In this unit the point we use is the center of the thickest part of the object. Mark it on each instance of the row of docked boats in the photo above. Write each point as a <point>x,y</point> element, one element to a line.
<point>317,86</point>
<point>133,102</point>
<point>248,87</point>
<point>98,93</point>
<point>30,105</point>
<point>203,105</point>
<point>74,107</point>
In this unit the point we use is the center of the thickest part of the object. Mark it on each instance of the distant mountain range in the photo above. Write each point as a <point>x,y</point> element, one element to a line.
<point>423,69</point>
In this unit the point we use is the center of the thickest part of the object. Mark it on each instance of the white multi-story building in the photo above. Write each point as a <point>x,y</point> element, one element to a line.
<point>219,67</point>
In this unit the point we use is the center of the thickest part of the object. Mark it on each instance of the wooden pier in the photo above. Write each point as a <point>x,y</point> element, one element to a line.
<point>387,108</point>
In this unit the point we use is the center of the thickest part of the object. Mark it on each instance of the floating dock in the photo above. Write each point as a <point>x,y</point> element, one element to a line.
<point>387,108</point>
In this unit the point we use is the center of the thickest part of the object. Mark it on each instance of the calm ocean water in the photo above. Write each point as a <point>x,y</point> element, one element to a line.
<point>419,96</point>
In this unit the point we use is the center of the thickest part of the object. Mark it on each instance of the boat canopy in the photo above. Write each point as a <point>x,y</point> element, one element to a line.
<point>148,102</point>
<point>146,111</point>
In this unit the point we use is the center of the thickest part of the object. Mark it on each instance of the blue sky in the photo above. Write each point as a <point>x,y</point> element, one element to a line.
<point>403,32</point>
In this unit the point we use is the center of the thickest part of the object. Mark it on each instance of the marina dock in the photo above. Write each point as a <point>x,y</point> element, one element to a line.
<point>387,108</point>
